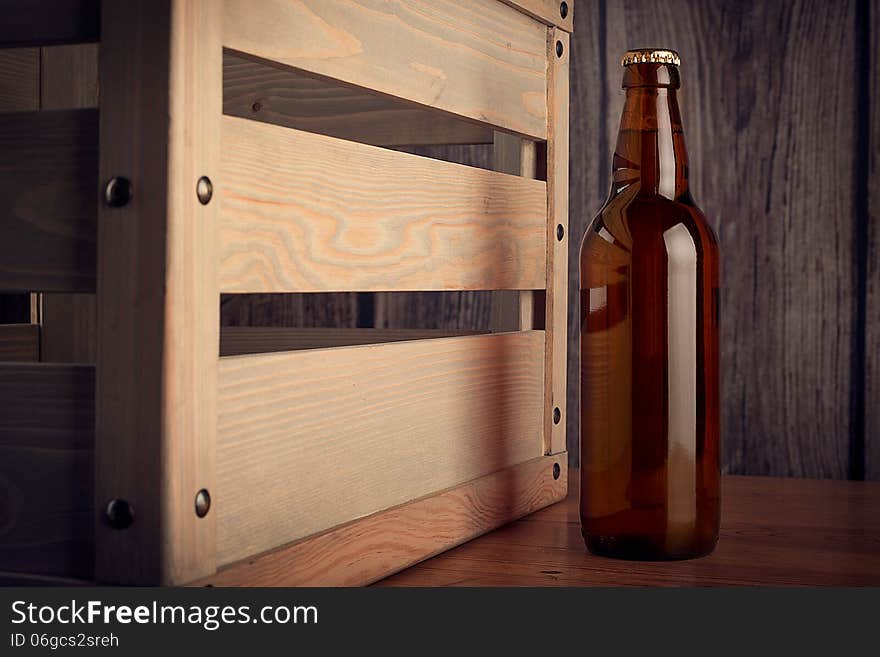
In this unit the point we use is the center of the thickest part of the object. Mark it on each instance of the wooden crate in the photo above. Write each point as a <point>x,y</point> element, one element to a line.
<point>330,457</point>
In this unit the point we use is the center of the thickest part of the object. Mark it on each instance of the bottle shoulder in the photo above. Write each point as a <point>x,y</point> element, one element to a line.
<point>626,220</point>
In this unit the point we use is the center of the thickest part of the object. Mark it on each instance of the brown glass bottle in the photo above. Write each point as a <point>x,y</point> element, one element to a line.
<point>649,340</point>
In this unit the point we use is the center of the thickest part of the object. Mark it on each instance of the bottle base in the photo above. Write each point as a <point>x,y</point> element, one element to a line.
<point>637,548</point>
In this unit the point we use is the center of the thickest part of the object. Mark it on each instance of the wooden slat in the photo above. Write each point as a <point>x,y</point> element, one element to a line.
<point>309,213</point>
<point>159,301</point>
<point>19,79</point>
<point>312,439</point>
<point>48,167</point>
<point>46,441</point>
<point>20,342</point>
<point>254,90</point>
<point>556,300</point>
<point>368,549</point>
<point>547,11</point>
<point>239,340</point>
<point>479,59</point>
<point>30,23</point>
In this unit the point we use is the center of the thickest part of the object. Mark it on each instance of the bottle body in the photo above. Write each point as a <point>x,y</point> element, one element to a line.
<point>650,415</point>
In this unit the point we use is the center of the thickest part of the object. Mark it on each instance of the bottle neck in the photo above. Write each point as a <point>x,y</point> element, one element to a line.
<point>650,144</point>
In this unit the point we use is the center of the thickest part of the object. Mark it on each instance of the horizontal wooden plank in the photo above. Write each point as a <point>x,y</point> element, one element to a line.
<point>20,343</point>
<point>46,468</point>
<point>478,59</point>
<point>309,213</point>
<point>45,22</point>
<point>311,439</point>
<point>252,89</point>
<point>48,200</point>
<point>368,549</point>
<point>550,12</point>
<point>239,340</point>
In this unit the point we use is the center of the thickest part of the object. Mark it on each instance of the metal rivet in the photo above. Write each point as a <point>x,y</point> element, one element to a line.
<point>556,471</point>
<point>117,192</point>
<point>203,503</point>
<point>204,190</point>
<point>560,232</point>
<point>119,514</point>
<point>557,415</point>
<point>257,106</point>
<point>563,9</point>
<point>559,48</point>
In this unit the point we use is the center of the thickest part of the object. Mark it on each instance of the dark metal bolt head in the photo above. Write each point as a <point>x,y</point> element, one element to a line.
<point>117,192</point>
<point>560,232</point>
<point>559,48</point>
<point>563,9</point>
<point>203,503</point>
<point>204,190</point>
<point>119,514</point>
<point>556,471</point>
<point>257,106</point>
<point>557,415</point>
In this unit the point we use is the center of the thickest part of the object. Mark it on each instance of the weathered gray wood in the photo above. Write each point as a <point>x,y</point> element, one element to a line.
<point>769,129</point>
<point>870,228</point>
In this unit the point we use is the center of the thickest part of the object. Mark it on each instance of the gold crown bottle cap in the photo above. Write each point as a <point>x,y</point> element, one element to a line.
<point>650,56</point>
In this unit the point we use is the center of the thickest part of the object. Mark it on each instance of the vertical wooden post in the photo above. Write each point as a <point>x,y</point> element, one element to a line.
<point>557,249</point>
<point>158,295</point>
<point>512,310</point>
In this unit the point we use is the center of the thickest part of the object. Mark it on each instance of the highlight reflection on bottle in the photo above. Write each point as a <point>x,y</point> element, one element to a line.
<point>649,340</point>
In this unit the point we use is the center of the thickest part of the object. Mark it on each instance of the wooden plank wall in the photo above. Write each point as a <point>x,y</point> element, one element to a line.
<point>774,135</point>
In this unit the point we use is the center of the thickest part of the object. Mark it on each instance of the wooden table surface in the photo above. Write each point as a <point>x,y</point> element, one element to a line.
<point>773,532</point>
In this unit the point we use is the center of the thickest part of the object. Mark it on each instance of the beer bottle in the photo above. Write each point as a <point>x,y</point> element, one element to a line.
<point>649,339</point>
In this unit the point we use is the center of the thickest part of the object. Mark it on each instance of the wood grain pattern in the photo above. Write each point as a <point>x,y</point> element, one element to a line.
<point>786,226</point>
<point>240,340</point>
<point>46,443</point>
<point>337,310</point>
<point>589,164</point>
<point>365,550</point>
<point>69,328</point>
<point>453,55</point>
<point>19,343</point>
<point>470,310</point>
<point>29,23</point>
<point>547,11</point>
<point>69,76</point>
<point>774,532</point>
<point>19,79</point>
<point>256,90</point>
<point>159,300</point>
<point>870,233</point>
<point>303,212</point>
<point>48,167</point>
<point>68,80</point>
<point>556,299</point>
<point>386,423</point>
